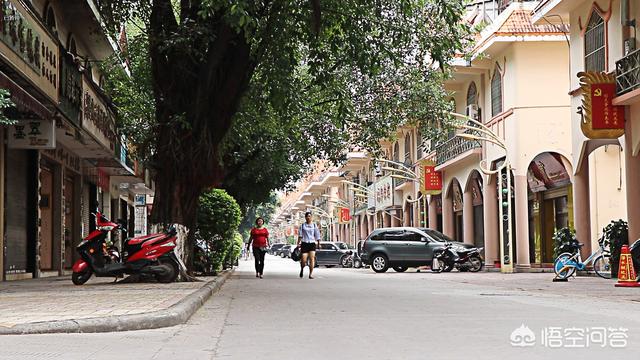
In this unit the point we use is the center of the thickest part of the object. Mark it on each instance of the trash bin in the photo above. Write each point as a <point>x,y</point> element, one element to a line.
<point>634,249</point>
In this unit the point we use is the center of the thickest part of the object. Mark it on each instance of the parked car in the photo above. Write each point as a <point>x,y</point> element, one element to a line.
<point>286,250</point>
<point>329,254</point>
<point>273,250</point>
<point>403,247</point>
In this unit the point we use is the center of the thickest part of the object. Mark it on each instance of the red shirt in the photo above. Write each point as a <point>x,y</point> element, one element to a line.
<point>259,237</point>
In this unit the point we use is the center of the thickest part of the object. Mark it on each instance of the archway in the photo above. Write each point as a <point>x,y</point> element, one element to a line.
<point>550,199</point>
<point>474,195</point>
<point>455,214</point>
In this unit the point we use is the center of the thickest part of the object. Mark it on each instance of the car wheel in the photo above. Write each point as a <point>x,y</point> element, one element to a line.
<point>283,255</point>
<point>400,269</point>
<point>379,263</point>
<point>345,261</point>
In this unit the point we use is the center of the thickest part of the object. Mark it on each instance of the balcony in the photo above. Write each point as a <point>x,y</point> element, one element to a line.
<point>453,148</point>
<point>628,73</point>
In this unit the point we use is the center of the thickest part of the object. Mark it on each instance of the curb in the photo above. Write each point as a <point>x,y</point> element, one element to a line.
<point>176,314</point>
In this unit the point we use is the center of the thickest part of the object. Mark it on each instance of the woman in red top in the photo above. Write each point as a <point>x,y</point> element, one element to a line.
<point>260,242</point>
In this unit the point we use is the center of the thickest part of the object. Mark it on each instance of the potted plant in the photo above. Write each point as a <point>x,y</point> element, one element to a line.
<point>564,240</point>
<point>617,234</point>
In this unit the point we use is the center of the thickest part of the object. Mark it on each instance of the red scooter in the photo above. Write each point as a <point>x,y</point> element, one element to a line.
<point>145,255</point>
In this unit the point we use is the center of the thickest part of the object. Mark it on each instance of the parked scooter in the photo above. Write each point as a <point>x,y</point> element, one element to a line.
<point>447,258</point>
<point>145,255</point>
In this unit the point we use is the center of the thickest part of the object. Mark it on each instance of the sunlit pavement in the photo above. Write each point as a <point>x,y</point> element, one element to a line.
<point>357,314</point>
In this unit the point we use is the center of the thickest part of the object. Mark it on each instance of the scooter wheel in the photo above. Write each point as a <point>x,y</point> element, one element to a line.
<point>168,276</point>
<point>80,278</point>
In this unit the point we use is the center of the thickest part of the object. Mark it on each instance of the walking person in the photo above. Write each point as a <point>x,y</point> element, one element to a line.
<point>308,237</point>
<point>259,240</point>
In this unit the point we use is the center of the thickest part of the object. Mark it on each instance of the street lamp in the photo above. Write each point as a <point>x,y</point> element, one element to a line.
<point>480,132</point>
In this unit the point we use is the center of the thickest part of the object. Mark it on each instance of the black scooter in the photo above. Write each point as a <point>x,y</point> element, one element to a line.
<point>447,258</point>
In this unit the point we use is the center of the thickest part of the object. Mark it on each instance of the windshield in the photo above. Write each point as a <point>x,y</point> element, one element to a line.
<point>436,235</point>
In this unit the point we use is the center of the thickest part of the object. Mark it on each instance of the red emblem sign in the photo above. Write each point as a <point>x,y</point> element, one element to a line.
<point>432,180</point>
<point>605,115</point>
<point>344,215</point>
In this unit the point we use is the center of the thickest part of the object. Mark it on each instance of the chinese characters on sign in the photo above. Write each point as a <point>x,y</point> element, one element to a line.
<point>604,114</point>
<point>431,179</point>
<point>32,134</point>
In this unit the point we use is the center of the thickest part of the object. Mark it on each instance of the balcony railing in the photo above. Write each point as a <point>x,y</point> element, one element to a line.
<point>453,148</point>
<point>628,73</point>
<point>70,88</point>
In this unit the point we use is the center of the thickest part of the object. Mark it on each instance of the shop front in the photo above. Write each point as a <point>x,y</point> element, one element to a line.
<point>550,205</point>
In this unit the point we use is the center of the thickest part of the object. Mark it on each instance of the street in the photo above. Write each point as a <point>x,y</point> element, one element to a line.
<point>355,313</point>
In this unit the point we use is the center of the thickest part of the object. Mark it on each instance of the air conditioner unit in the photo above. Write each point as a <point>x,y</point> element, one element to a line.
<point>473,111</point>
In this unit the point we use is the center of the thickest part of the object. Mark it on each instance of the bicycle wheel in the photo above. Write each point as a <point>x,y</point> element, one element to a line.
<point>602,266</point>
<point>559,264</point>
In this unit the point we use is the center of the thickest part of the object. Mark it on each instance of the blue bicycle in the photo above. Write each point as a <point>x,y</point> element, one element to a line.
<point>567,262</point>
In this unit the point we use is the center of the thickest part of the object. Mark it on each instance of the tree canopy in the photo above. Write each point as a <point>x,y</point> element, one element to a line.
<point>247,93</point>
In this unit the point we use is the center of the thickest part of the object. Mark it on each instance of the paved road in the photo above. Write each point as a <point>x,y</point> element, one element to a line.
<point>356,314</point>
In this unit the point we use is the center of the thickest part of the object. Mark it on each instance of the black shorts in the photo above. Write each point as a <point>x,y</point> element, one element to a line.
<point>307,247</point>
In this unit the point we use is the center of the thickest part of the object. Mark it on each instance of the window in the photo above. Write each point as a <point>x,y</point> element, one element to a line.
<point>396,152</point>
<point>412,236</point>
<point>395,235</point>
<point>379,236</point>
<point>472,94</point>
<point>496,92</point>
<point>50,18</point>
<point>407,149</point>
<point>594,44</point>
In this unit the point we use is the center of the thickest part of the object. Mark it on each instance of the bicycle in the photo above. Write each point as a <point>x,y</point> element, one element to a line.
<point>567,263</point>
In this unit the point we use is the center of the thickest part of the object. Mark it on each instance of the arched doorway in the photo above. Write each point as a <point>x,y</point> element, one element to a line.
<point>458,205</point>
<point>550,202</point>
<point>475,187</point>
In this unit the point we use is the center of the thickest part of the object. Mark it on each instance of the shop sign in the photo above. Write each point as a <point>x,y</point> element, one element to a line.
<point>140,200</point>
<point>64,156</point>
<point>29,47</point>
<point>431,179</point>
<point>140,220</point>
<point>384,193</point>
<point>371,196</point>
<point>97,118</point>
<point>344,215</point>
<point>32,134</point>
<point>601,119</point>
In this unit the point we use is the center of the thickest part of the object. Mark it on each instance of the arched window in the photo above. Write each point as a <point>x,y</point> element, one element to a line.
<point>496,92</point>
<point>594,44</point>
<point>407,149</point>
<point>396,152</point>
<point>50,18</point>
<point>472,94</point>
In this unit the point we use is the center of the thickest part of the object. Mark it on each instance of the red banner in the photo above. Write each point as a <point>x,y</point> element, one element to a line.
<point>103,180</point>
<point>432,179</point>
<point>605,115</point>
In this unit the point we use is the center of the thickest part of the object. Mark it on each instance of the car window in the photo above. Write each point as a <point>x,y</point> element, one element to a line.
<point>412,236</point>
<point>436,235</point>
<point>326,246</point>
<point>342,246</point>
<point>394,235</point>
<point>379,236</point>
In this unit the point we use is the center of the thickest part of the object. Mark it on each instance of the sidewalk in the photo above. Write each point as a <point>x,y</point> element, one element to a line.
<point>56,305</point>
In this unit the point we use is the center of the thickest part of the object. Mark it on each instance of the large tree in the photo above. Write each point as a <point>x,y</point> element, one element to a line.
<point>305,78</point>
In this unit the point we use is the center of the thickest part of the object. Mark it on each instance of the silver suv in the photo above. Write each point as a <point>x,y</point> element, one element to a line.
<point>403,247</point>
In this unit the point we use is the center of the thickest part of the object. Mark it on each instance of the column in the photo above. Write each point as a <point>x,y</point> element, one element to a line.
<point>2,165</point>
<point>447,216</point>
<point>467,216</point>
<point>632,173</point>
<point>433,213</point>
<point>581,210</point>
<point>522,220</point>
<point>491,235</point>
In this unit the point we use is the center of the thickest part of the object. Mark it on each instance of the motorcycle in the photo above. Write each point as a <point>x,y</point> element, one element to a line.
<point>145,255</point>
<point>352,260</point>
<point>447,258</point>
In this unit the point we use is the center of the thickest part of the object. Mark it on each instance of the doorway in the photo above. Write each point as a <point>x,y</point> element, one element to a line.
<point>46,217</point>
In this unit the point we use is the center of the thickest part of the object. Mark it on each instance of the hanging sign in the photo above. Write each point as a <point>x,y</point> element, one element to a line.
<point>32,134</point>
<point>600,118</point>
<point>431,179</point>
<point>344,215</point>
